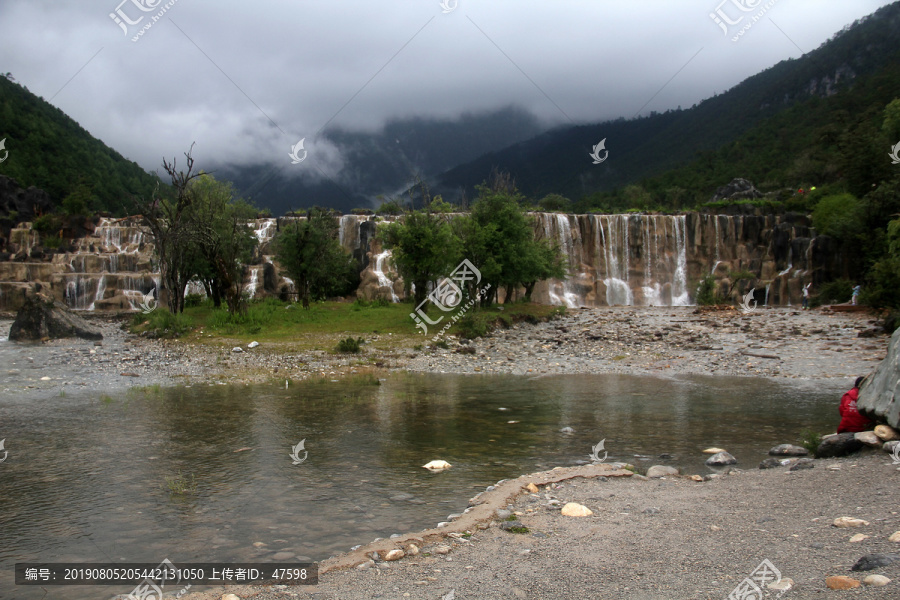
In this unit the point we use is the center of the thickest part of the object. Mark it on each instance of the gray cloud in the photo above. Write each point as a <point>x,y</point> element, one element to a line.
<point>246,80</point>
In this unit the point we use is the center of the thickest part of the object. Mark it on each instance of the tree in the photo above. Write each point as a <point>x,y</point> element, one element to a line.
<point>222,242</point>
<point>169,225</point>
<point>498,237</point>
<point>555,203</point>
<point>423,249</point>
<point>311,254</point>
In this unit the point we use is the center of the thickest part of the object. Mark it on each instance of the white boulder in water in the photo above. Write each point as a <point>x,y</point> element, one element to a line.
<point>437,465</point>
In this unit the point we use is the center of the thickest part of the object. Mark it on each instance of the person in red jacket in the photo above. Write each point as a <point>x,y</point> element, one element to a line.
<point>851,419</point>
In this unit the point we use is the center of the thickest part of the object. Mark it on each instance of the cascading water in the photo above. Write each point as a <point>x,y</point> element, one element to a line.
<point>383,280</point>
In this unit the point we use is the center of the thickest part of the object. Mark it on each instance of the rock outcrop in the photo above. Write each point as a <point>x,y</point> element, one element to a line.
<point>879,395</point>
<point>42,317</point>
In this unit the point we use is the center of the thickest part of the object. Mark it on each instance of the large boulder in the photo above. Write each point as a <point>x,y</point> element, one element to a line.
<point>42,317</point>
<point>838,444</point>
<point>879,396</point>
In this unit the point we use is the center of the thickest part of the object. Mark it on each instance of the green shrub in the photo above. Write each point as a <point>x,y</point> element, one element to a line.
<point>193,300</point>
<point>810,440</point>
<point>707,294</point>
<point>164,323</point>
<point>350,345</point>
<point>472,325</point>
<point>833,292</point>
<point>47,223</point>
<point>51,241</point>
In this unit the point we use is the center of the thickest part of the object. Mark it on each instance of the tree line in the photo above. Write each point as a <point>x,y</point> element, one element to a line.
<point>199,228</point>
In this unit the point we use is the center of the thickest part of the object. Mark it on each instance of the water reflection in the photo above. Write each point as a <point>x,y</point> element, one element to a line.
<point>86,477</point>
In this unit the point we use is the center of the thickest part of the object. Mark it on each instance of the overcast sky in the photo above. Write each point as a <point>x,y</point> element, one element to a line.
<point>247,79</point>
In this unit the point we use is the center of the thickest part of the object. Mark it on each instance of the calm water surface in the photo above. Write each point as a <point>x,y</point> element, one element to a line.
<point>85,478</point>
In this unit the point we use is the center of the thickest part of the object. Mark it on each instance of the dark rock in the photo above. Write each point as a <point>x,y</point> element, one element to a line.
<point>738,189</point>
<point>873,561</point>
<point>788,450</point>
<point>803,463</point>
<point>513,526</point>
<point>877,395</point>
<point>770,463</point>
<point>841,444</point>
<point>42,317</point>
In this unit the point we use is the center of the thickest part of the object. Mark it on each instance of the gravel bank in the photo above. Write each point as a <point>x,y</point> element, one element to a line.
<point>671,538</point>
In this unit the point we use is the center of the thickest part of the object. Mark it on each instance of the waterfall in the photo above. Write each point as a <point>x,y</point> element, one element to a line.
<point>569,298</point>
<point>383,280</point>
<point>680,295</point>
<point>264,230</point>
<point>617,289</point>
<point>251,287</point>
<point>101,290</point>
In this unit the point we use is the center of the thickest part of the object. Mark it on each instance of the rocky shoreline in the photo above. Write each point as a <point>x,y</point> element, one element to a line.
<point>640,538</point>
<point>777,342</point>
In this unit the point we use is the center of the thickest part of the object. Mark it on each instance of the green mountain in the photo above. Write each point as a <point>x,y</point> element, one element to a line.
<point>49,150</point>
<point>786,107</point>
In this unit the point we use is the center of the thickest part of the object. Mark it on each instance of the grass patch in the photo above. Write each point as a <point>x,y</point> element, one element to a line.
<point>181,484</point>
<point>350,345</point>
<point>162,323</point>
<point>810,440</point>
<point>483,321</point>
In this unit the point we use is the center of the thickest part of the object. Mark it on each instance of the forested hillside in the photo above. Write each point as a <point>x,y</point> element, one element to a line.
<point>49,150</point>
<point>746,127</point>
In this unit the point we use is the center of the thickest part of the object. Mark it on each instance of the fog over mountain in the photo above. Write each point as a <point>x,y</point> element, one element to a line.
<point>248,81</point>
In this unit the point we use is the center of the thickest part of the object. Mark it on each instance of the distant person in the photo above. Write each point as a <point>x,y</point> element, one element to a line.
<point>855,297</point>
<point>805,293</point>
<point>851,419</point>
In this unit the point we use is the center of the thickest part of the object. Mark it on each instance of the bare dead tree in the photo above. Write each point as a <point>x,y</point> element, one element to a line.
<point>170,228</point>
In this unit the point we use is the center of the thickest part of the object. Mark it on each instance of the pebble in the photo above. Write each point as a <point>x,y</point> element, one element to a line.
<point>442,549</point>
<point>876,580</point>
<point>859,537</point>
<point>895,537</point>
<point>849,522</point>
<point>395,554</point>
<point>841,582</point>
<point>783,585</point>
<point>573,509</point>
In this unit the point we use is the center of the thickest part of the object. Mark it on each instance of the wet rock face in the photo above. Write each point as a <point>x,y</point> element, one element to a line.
<point>41,317</point>
<point>878,396</point>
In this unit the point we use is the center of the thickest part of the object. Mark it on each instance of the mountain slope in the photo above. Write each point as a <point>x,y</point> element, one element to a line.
<point>559,161</point>
<point>386,161</point>
<point>49,150</point>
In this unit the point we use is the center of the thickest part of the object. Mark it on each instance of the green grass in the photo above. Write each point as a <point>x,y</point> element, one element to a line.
<point>289,326</point>
<point>181,485</point>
